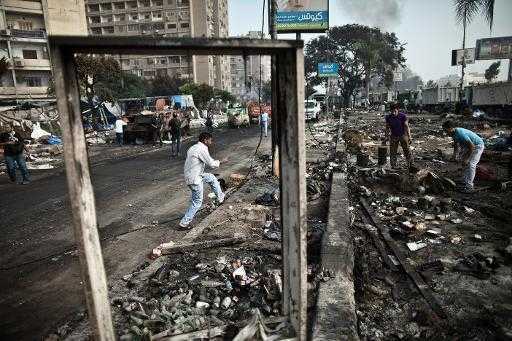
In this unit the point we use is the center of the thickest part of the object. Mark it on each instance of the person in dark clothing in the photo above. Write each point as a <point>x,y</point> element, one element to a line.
<point>398,132</point>
<point>175,129</point>
<point>13,145</point>
<point>156,124</point>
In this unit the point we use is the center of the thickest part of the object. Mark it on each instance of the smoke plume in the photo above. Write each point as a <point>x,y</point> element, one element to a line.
<point>384,14</point>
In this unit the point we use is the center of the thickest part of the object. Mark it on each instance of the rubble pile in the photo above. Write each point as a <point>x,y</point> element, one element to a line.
<point>191,292</point>
<point>456,243</point>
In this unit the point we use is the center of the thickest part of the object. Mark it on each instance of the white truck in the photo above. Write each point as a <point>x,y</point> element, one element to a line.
<point>312,110</point>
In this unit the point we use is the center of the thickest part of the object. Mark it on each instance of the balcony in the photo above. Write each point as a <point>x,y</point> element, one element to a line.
<point>38,34</point>
<point>11,92</point>
<point>30,64</point>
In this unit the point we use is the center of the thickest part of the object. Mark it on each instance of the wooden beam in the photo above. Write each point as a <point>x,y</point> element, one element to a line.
<point>176,46</point>
<point>81,195</point>
<point>290,99</point>
<point>423,287</point>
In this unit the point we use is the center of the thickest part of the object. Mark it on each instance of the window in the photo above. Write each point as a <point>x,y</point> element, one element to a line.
<point>106,7</point>
<point>159,26</point>
<point>175,59</point>
<point>171,2</point>
<point>119,5</point>
<point>149,73</point>
<point>144,3</point>
<point>161,72</point>
<point>185,25</point>
<point>134,17</point>
<point>106,18</point>
<point>158,3</point>
<point>121,28</point>
<point>133,28</point>
<point>108,30</point>
<point>145,16</point>
<point>157,15</point>
<point>137,72</point>
<point>94,20</point>
<point>33,81</point>
<point>132,4</point>
<point>126,62</point>
<point>119,17</point>
<point>96,31</point>
<point>29,54</point>
<point>150,61</point>
<point>25,25</point>
<point>135,62</point>
<point>171,26</point>
<point>162,61</point>
<point>94,8</point>
<point>45,53</point>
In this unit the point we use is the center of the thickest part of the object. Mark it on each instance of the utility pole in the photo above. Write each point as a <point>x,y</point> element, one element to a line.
<point>272,8</point>
<point>509,70</point>
<point>461,90</point>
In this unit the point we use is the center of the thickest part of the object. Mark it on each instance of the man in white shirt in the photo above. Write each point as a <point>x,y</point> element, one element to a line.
<point>198,157</point>
<point>264,122</point>
<point>120,123</point>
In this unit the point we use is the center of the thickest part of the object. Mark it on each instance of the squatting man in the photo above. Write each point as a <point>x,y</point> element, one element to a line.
<point>198,157</point>
<point>468,148</point>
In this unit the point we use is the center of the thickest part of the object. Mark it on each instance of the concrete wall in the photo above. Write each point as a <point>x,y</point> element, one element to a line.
<point>65,17</point>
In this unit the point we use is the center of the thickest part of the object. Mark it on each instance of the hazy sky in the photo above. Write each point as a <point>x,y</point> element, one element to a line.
<point>428,27</point>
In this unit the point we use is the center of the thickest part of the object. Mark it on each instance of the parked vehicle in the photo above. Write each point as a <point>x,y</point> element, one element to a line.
<point>312,110</point>
<point>238,117</point>
<point>253,109</point>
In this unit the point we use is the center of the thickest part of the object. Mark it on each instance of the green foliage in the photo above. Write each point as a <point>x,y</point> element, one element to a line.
<point>163,85</point>
<point>201,93</point>
<point>466,10</point>
<point>266,92</point>
<point>362,53</point>
<point>225,96</point>
<point>492,71</point>
<point>430,84</point>
<point>102,77</point>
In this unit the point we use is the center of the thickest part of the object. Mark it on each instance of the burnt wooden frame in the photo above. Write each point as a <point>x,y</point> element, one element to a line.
<point>289,90</point>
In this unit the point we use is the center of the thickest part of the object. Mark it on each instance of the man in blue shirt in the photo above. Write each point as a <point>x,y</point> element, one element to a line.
<point>468,147</point>
<point>398,132</point>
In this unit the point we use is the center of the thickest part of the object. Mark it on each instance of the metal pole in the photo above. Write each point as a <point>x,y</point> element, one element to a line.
<point>510,70</point>
<point>461,90</point>
<point>273,78</point>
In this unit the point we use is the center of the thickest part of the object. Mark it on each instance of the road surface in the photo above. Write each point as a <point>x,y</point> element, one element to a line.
<point>41,286</point>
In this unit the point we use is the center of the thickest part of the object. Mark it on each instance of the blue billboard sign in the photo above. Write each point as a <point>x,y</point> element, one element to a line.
<point>302,16</point>
<point>328,70</point>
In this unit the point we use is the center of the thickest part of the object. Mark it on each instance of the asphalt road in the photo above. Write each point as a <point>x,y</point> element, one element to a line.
<point>41,286</point>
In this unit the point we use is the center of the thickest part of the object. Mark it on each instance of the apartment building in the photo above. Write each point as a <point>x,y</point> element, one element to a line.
<point>245,73</point>
<point>166,18</point>
<point>24,26</point>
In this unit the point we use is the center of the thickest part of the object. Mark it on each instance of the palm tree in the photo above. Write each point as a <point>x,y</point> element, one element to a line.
<point>465,11</point>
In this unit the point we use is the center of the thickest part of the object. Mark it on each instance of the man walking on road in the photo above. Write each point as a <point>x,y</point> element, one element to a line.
<point>14,145</point>
<point>175,129</point>
<point>398,132</point>
<point>468,147</point>
<point>264,122</point>
<point>120,123</point>
<point>198,157</point>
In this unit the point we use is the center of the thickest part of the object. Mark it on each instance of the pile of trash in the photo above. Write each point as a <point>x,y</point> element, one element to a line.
<point>186,293</point>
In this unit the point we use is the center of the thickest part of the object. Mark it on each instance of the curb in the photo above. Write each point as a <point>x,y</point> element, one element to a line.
<point>336,314</point>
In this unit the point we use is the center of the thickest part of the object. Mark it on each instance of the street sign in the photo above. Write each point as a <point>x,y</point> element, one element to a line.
<point>467,54</point>
<point>494,48</point>
<point>302,16</point>
<point>328,70</point>
<point>397,76</point>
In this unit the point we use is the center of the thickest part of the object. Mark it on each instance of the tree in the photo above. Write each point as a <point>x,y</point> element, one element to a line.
<point>266,92</point>
<point>102,77</point>
<point>430,84</point>
<point>224,95</point>
<point>362,53</point>
<point>201,93</point>
<point>465,11</point>
<point>164,85</point>
<point>493,71</point>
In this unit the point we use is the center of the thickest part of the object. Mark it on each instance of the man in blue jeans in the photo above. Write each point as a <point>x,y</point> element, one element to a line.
<point>468,147</point>
<point>198,157</point>
<point>13,146</point>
